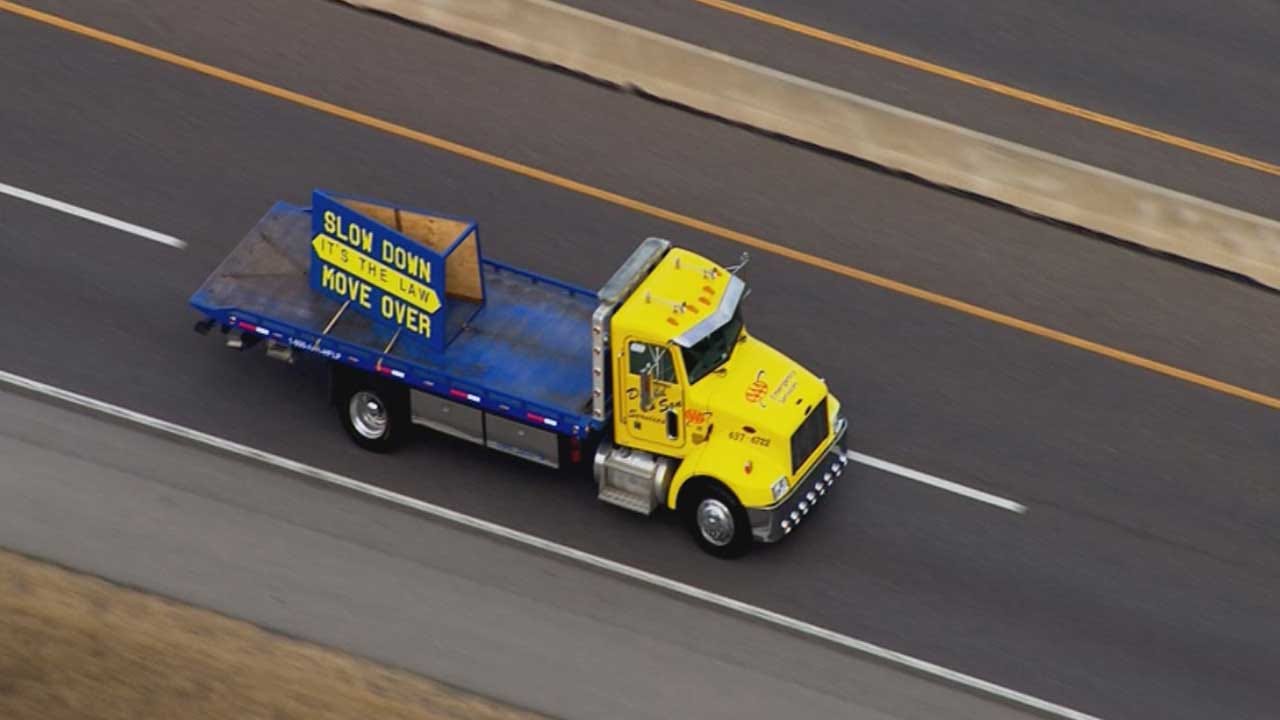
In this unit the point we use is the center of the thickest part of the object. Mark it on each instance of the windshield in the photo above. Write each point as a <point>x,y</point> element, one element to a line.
<point>713,350</point>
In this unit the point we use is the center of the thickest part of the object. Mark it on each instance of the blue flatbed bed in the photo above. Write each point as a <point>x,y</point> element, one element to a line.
<point>525,354</point>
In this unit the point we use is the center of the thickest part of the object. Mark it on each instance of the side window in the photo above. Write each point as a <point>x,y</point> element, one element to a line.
<point>645,356</point>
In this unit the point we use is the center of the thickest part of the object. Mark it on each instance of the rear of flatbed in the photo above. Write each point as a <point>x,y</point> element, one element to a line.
<point>521,360</point>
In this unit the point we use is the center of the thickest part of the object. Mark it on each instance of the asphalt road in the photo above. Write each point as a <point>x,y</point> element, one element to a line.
<point>1205,72</point>
<point>1141,583</point>
<point>476,612</point>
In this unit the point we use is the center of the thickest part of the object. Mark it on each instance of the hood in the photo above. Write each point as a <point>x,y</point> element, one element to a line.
<point>760,388</point>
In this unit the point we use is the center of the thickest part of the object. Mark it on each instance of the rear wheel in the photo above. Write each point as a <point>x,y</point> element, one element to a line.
<point>372,415</point>
<point>717,520</point>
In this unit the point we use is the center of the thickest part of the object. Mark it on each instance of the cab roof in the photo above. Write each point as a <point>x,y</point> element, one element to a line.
<point>683,299</point>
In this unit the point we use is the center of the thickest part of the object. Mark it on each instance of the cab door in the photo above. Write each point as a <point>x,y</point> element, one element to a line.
<point>652,397</point>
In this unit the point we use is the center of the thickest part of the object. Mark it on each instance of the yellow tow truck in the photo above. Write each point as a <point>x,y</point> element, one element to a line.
<point>707,420</point>
<point>656,372</point>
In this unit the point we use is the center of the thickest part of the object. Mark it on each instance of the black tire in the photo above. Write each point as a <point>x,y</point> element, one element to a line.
<point>373,413</point>
<point>710,499</point>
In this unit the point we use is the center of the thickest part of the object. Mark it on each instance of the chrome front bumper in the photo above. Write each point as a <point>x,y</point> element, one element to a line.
<point>771,524</point>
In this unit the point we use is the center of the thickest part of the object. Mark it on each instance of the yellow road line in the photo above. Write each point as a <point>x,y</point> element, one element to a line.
<point>1114,123</point>
<point>639,206</point>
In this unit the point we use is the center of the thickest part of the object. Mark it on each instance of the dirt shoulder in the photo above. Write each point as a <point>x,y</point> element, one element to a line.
<point>73,646</point>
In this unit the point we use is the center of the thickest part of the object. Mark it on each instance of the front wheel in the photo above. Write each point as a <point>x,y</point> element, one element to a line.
<point>371,416</point>
<point>718,521</point>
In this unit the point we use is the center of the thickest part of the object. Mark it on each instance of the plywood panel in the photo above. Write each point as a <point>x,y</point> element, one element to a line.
<point>462,271</point>
<point>436,233</point>
<point>462,267</point>
<point>380,213</point>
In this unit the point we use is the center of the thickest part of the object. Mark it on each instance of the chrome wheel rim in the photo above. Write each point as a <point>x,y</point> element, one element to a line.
<point>368,415</point>
<point>715,522</point>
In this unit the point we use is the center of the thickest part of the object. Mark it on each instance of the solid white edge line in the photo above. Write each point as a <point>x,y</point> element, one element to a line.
<point>564,551</point>
<point>937,482</point>
<point>91,216</point>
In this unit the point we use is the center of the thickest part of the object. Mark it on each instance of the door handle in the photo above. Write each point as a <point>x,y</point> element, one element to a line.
<point>673,425</point>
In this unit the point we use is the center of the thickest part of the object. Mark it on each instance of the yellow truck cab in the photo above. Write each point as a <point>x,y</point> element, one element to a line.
<point>707,420</point>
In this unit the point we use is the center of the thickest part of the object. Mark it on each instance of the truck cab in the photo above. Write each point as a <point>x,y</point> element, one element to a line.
<point>706,419</point>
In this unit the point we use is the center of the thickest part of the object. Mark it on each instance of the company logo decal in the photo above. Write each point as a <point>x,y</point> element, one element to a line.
<point>785,388</point>
<point>757,388</point>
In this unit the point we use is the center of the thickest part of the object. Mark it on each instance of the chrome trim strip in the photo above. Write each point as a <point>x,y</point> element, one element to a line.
<point>633,270</point>
<point>718,317</point>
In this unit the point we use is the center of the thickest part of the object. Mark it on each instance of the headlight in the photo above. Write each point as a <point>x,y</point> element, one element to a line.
<point>779,488</point>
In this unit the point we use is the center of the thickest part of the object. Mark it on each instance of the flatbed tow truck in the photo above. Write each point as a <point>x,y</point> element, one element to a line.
<point>654,376</point>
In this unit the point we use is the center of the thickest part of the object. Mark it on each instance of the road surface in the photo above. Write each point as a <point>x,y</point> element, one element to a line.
<point>512,623</point>
<point>1141,581</point>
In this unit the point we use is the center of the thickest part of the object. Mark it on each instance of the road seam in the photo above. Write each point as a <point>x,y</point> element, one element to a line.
<point>553,548</point>
<point>999,88</point>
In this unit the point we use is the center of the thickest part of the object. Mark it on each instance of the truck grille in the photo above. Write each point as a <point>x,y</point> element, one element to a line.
<point>809,436</point>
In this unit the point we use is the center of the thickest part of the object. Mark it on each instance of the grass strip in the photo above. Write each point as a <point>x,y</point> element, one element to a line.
<point>74,646</point>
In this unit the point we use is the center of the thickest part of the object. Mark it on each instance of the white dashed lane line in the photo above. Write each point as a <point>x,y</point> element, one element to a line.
<point>937,482</point>
<point>91,216</point>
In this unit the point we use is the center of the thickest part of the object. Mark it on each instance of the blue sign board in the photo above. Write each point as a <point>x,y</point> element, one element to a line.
<point>377,271</point>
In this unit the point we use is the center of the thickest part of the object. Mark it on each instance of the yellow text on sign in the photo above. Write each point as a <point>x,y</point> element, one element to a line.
<point>347,231</point>
<point>353,289</point>
<point>406,262</point>
<point>358,291</point>
<point>350,233</point>
<point>405,315</point>
<point>376,274</point>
